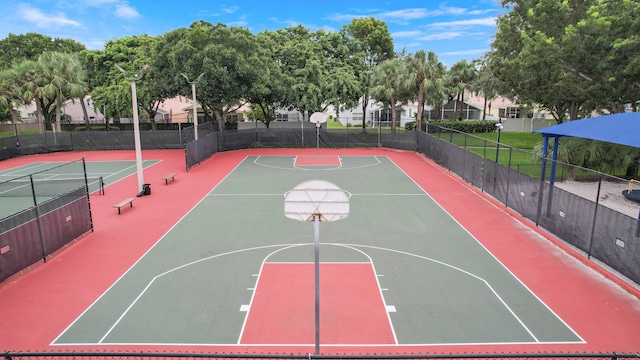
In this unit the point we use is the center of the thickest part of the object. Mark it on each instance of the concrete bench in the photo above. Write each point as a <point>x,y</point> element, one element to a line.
<point>171,176</point>
<point>123,203</point>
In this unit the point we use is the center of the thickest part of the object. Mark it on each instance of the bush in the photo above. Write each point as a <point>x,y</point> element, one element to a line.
<point>97,128</point>
<point>467,126</point>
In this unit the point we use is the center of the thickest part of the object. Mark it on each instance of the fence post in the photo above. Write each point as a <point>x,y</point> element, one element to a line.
<point>506,197</point>
<point>35,204</point>
<point>595,214</point>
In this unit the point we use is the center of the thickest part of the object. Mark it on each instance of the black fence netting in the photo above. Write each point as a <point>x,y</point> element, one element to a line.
<point>125,140</point>
<point>584,208</point>
<point>413,356</point>
<point>44,143</point>
<point>40,213</point>
<point>201,149</point>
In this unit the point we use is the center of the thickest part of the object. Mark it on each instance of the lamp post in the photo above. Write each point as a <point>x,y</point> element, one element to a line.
<point>193,103</point>
<point>136,124</point>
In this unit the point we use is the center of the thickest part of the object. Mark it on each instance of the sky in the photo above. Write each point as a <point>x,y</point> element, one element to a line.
<point>454,30</point>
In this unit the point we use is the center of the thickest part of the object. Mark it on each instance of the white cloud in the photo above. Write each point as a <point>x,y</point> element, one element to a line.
<point>229,9</point>
<point>242,22</point>
<point>490,21</point>
<point>465,52</point>
<point>442,36</point>
<point>44,20</point>
<point>404,15</point>
<point>407,34</point>
<point>125,11</point>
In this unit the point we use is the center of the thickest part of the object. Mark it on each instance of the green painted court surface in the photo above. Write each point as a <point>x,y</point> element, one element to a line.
<point>438,284</point>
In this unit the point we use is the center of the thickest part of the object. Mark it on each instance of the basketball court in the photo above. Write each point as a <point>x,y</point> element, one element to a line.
<point>421,262</point>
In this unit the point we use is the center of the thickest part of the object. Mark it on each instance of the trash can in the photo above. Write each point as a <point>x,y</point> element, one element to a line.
<point>146,189</point>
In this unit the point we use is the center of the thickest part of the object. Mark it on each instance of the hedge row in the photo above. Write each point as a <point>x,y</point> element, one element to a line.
<point>466,126</point>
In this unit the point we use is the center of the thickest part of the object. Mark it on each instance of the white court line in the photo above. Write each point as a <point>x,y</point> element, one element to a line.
<point>143,255</point>
<point>311,168</point>
<point>482,245</point>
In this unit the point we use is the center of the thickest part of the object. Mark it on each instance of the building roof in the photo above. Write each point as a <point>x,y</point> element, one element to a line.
<point>623,129</point>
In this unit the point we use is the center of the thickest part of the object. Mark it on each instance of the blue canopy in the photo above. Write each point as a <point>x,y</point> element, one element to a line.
<point>623,129</point>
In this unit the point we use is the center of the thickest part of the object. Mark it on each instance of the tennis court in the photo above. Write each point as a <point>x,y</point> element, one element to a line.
<point>210,262</point>
<point>231,271</point>
<point>48,179</point>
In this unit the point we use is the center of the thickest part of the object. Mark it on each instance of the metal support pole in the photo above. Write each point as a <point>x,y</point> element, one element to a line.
<point>543,171</point>
<point>136,135</point>
<point>136,123</point>
<point>195,112</point>
<point>552,176</point>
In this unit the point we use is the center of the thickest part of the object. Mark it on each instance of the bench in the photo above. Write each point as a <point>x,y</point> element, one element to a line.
<point>171,176</point>
<point>123,203</point>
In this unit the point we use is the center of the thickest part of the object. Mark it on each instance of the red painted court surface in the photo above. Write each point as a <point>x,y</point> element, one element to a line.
<point>353,311</point>
<point>317,160</point>
<point>37,305</point>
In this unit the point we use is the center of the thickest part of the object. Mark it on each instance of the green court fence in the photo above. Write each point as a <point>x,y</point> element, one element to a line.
<point>592,216</point>
<point>180,356</point>
<point>40,213</point>
<point>584,208</point>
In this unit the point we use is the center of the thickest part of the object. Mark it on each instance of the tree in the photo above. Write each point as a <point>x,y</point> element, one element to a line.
<point>17,48</point>
<point>529,54</point>
<point>426,75</point>
<point>376,43</point>
<point>485,85</point>
<point>602,51</point>
<point>227,56</point>
<point>29,87</point>
<point>596,155</point>
<point>461,75</point>
<point>386,85</point>
<point>112,92</point>
<point>63,76</point>
<point>9,95</point>
<point>272,90</point>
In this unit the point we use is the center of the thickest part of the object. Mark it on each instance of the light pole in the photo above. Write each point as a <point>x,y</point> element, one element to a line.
<point>136,124</point>
<point>193,102</point>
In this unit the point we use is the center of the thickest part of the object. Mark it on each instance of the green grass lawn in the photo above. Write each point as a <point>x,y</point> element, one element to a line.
<point>518,140</point>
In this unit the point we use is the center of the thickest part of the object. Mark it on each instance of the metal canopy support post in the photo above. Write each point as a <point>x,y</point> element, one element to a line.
<point>552,177</point>
<point>543,171</point>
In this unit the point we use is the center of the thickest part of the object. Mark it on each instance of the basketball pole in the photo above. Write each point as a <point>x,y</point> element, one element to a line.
<point>316,235</point>
<point>317,137</point>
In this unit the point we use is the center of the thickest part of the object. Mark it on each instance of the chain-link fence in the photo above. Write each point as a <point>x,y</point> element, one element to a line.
<point>591,215</point>
<point>585,208</point>
<point>41,212</point>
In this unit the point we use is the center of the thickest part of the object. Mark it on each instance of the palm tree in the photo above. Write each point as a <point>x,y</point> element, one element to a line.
<point>424,72</point>
<point>385,85</point>
<point>8,95</point>
<point>462,74</point>
<point>30,87</point>
<point>64,79</point>
<point>484,84</point>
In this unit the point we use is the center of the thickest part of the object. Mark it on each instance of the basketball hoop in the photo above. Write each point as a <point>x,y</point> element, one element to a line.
<point>318,118</point>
